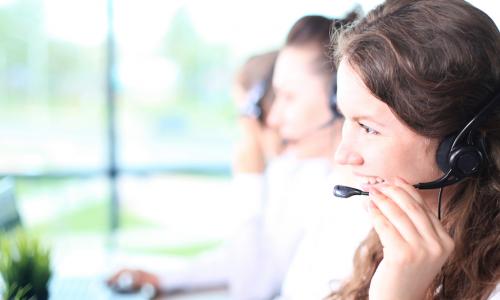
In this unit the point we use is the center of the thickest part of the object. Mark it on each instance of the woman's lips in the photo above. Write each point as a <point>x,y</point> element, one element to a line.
<point>367,181</point>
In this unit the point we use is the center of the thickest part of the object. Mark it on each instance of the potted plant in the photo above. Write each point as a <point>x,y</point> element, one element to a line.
<point>24,267</point>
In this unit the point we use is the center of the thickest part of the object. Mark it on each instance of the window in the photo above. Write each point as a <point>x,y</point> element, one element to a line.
<point>169,77</point>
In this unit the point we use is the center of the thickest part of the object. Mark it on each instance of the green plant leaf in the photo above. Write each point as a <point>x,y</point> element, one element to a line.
<point>24,266</point>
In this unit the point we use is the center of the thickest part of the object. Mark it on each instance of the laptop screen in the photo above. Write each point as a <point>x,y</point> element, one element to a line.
<point>9,214</point>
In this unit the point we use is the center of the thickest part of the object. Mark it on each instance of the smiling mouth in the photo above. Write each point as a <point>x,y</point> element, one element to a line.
<point>366,182</point>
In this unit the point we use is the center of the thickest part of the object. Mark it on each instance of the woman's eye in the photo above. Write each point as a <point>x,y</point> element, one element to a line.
<point>368,129</point>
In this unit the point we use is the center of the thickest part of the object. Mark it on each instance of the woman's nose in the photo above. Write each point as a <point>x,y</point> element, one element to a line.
<point>346,154</point>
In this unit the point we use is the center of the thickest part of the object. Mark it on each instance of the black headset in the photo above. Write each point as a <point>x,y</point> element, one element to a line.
<point>459,156</point>
<point>463,154</point>
<point>253,105</point>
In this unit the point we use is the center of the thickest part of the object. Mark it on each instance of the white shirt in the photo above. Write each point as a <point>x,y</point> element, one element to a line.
<point>282,204</point>
<point>325,256</point>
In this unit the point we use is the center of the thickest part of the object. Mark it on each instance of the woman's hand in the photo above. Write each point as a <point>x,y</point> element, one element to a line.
<point>249,156</point>
<point>128,280</point>
<point>415,244</point>
<point>256,145</point>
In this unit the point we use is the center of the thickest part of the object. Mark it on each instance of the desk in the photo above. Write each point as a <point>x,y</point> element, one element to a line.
<point>204,295</point>
<point>88,260</point>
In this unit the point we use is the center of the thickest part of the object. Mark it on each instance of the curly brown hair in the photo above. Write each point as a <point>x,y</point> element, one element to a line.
<point>436,63</point>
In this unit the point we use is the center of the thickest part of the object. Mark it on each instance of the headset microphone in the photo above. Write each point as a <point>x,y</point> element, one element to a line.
<point>253,107</point>
<point>459,156</point>
<point>343,191</point>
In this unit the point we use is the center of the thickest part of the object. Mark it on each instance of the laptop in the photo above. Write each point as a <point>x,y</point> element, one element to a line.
<point>61,287</point>
<point>9,215</point>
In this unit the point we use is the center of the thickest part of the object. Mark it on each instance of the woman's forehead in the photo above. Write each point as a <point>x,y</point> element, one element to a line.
<point>353,97</point>
<point>355,100</point>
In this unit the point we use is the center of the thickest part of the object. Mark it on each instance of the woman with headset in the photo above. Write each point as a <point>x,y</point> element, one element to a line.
<point>254,262</point>
<point>418,85</point>
<point>303,117</point>
<point>256,146</point>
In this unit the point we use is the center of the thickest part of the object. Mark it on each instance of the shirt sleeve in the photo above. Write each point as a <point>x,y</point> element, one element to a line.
<point>244,264</point>
<point>210,270</point>
<point>248,190</point>
<point>234,263</point>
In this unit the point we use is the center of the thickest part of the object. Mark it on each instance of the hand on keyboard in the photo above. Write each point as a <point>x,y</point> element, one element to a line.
<point>129,281</point>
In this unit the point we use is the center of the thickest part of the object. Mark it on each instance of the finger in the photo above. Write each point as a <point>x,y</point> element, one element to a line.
<point>390,238</point>
<point>396,216</point>
<point>419,215</point>
<point>413,192</point>
<point>410,189</point>
<point>114,278</point>
<point>442,232</point>
<point>438,238</point>
<point>433,215</point>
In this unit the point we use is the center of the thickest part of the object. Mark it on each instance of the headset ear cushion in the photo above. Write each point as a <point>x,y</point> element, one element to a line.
<point>443,153</point>
<point>467,160</point>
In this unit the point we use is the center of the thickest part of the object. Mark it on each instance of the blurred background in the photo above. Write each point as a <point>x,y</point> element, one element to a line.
<point>116,117</point>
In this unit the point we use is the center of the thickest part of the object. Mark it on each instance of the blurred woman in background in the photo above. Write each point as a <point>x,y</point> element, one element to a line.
<point>282,180</point>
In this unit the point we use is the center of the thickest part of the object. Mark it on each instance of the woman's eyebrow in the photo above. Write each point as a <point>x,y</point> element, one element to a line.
<point>361,117</point>
<point>369,118</point>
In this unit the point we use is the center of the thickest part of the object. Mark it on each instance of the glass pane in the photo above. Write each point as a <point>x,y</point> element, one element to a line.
<point>176,62</point>
<point>176,214</point>
<point>175,67</point>
<point>71,218</point>
<point>51,85</point>
<point>64,207</point>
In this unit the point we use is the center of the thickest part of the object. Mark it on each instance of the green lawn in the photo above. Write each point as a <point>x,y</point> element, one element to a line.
<point>93,219</point>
